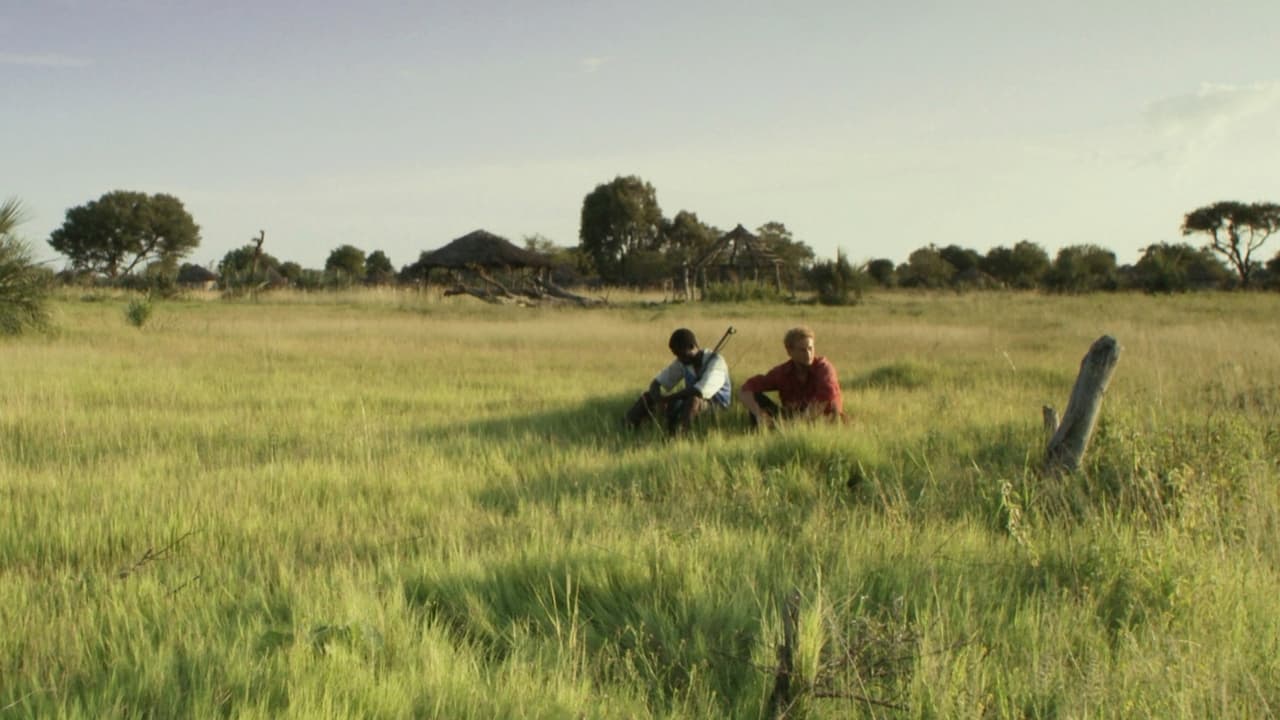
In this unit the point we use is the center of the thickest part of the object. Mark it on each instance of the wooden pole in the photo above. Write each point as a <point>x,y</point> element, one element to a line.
<point>1071,438</point>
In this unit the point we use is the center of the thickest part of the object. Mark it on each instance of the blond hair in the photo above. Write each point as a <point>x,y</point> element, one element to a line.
<point>796,334</point>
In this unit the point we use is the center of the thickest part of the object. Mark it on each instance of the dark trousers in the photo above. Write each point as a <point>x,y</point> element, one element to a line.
<point>767,404</point>
<point>675,414</point>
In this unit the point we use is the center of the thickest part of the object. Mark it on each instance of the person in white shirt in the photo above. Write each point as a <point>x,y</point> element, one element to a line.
<point>705,376</point>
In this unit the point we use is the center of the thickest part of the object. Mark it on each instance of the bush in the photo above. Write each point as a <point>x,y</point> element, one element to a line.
<point>24,285</point>
<point>837,282</point>
<point>138,311</point>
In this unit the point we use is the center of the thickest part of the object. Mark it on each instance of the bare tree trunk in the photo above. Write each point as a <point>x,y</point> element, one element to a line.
<point>1071,438</point>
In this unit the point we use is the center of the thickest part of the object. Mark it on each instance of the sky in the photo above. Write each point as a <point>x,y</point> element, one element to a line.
<point>870,127</point>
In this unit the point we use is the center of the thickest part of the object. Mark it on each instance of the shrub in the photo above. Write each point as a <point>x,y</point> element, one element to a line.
<point>24,285</point>
<point>138,311</point>
<point>836,280</point>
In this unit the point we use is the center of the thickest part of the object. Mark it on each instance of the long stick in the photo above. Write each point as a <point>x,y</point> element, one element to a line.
<point>723,339</point>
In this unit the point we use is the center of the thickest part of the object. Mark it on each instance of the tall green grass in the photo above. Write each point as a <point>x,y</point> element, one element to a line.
<point>389,505</point>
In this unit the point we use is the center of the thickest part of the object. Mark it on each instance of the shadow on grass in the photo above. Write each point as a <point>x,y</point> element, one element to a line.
<point>649,625</point>
<point>597,423</point>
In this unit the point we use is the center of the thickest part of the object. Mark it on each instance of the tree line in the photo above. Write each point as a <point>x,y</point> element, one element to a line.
<point>140,240</point>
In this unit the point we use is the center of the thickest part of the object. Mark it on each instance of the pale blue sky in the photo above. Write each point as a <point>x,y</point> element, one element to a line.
<point>872,127</point>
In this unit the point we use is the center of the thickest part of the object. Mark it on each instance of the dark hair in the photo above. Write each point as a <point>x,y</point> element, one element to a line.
<point>682,339</point>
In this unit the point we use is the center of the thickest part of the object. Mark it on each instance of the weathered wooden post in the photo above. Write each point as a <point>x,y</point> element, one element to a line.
<point>1070,439</point>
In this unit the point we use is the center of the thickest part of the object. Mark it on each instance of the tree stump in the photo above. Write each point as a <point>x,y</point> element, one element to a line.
<point>1070,439</point>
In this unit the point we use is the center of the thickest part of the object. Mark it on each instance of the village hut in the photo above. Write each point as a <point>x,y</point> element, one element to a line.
<point>736,256</point>
<point>481,249</point>
<point>197,277</point>
<point>505,271</point>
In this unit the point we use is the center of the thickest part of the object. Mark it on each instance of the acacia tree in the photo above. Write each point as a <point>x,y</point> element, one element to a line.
<point>619,218</point>
<point>1235,230</point>
<point>115,233</point>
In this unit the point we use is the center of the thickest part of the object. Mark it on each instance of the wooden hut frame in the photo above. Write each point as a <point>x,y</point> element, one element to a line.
<point>734,256</point>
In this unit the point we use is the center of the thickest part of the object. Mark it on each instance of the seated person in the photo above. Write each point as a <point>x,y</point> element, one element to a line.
<point>807,385</point>
<point>706,385</point>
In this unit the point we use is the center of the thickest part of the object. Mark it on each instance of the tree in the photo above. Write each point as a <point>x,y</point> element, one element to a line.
<point>835,280</point>
<point>685,238</point>
<point>1082,268</point>
<point>24,284</point>
<point>247,265</point>
<point>960,258</point>
<point>925,268</point>
<point>1166,268</point>
<point>115,233</point>
<point>796,256</point>
<point>291,271</point>
<point>1021,266</point>
<point>1235,231</point>
<point>345,263</point>
<point>618,218</point>
<point>567,263</point>
<point>882,272</point>
<point>378,269</point>
<point>1273,272</point>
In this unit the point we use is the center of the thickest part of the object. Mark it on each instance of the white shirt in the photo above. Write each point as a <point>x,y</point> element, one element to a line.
<point>715,373</point>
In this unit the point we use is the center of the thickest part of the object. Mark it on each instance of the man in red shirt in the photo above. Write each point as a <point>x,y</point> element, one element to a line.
<point>806,384</point>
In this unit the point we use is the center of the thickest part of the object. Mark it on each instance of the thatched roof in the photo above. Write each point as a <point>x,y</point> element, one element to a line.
<point>482,249</point>
<point>737,248</point>
<point>196,274</point>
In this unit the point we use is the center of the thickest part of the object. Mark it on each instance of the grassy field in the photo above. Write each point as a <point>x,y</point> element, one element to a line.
<point>384,505</point>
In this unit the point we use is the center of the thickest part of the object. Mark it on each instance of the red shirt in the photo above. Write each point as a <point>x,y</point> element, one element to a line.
<point>820,387</point>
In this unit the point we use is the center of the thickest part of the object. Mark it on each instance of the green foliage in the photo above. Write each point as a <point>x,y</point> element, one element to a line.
<point>797,257</point>
<point>1236,230</point>
<point>378,269</point>
<point>960,258</point>
<point>1082,268</point>
<point>120,230</point>
<point>926,268</point>
<point>24,285</point>
<point>346,265</point>
<point>685,238</point>
<point>618,218</point>
<point>190,529</point>
<point>883,272</point>
<point>837,282</point>
<point>1168,268</point>
<point>1021,266</point>
<point>138,311</point>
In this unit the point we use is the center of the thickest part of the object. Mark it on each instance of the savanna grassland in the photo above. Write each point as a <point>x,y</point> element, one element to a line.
<point>387,505</point>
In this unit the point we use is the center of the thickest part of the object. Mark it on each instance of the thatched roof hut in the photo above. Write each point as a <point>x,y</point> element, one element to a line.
<point>737,249</point>
<point>196,276</point>
<point>480,249</point>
